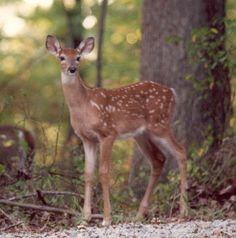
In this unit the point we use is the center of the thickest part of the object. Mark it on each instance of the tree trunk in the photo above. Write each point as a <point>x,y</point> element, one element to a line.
<point>101,28</point>
<point>166,36</point>
<point>72,146</point>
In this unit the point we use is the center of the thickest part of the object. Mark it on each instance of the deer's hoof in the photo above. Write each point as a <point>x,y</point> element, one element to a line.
<point>106,222</point>
<point>87,218</point>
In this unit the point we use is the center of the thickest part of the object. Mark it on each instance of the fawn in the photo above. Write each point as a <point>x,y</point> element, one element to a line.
<point>17,150</point>
<point>100,116</point>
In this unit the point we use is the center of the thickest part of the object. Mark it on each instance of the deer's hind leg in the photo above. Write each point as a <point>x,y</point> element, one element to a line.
<point>170,147</point>
<point>157,160</point>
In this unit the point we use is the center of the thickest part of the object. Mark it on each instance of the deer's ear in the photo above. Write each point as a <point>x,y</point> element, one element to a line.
<point>86,46</point>
<point>52,45</point>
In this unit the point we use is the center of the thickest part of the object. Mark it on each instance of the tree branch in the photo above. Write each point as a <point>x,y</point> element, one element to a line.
<point>11,226</point>
<point>46,208</point>
<point>12,220</point>
<point>38,207</point>
<point>44,193</point>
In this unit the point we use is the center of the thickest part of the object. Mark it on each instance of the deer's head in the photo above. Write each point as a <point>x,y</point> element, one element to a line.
<point>69,58</point>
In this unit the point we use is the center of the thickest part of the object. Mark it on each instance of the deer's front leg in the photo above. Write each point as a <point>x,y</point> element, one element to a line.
<point>104,167</point>
<point>90,160</point>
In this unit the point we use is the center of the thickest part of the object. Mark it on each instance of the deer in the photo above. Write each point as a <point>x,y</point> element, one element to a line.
<point>17,150</point>
<point>99,116</point>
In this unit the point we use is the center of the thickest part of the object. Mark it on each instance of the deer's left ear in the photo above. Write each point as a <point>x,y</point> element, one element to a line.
<point>52,45</point>
<point>86,46</point>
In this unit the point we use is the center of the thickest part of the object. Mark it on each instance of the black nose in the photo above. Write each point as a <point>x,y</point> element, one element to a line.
<point>72,69</point>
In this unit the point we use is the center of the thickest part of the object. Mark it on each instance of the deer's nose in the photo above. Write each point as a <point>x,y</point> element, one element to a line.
<point>72,69</point>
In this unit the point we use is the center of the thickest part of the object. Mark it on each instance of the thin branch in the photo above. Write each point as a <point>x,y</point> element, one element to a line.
<point>40,197</point>
<point>12,220</point>
<point>11,226</point>
<point>101,27</point>
<point>65,175</point>
<point>44,193</point>
<point>38,207</point>
<point>46,208</point>
<point>58,131</point>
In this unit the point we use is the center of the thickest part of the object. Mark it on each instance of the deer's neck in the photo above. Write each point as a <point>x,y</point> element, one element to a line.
<point>75,91</point>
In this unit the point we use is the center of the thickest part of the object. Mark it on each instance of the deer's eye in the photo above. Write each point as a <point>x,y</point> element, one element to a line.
<point>62,58</point>
<point>78,58</point>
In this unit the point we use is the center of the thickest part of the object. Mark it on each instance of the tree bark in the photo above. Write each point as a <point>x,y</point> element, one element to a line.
<point>101,27</point>
<point>72,146</point>
<point>166,36</point>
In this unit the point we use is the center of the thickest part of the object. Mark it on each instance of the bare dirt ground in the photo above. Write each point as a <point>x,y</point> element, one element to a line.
<point>190,229</point>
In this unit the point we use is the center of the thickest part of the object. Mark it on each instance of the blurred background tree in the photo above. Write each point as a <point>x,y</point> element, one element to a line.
<point>172,31</point>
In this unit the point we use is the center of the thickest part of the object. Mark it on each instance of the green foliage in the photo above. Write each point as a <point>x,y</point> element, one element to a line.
<point>204,52</point>
<point>166,197</point>
<point>207,49</point>
<point>2,169</point>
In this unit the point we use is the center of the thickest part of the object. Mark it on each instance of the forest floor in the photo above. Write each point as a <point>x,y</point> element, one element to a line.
<point>177,229</point>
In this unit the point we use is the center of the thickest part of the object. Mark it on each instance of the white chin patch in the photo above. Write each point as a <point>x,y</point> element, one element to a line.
<point>71,74</point>
<point>68,77</point>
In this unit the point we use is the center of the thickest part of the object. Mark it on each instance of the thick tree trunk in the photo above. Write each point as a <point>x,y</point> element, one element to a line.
<point>166,35</point>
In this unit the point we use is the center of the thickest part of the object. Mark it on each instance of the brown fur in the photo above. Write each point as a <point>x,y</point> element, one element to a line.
<point>99,116</point>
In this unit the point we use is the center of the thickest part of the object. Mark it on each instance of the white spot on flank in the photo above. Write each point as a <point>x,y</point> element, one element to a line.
<point>151,111</point>
<point>103,94</point>
<point>110,108</point>
<point>105,124</point>
<point>94,104</point>
<point>136,132</point>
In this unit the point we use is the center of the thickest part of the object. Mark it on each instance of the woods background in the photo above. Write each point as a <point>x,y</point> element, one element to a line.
<point>187,45</point>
